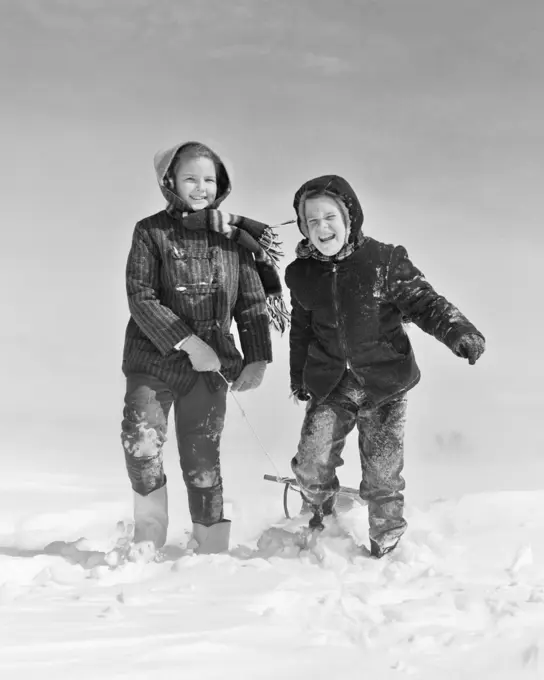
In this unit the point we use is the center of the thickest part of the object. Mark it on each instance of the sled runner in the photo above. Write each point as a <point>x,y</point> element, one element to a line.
<point>347,496</point>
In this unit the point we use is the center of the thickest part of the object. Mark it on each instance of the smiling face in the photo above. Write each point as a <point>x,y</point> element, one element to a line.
<point>327,230</point>
<point>196,181</point>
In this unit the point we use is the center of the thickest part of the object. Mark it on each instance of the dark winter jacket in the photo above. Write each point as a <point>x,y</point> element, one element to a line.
<point>182,281</point>
<point>348,313</point>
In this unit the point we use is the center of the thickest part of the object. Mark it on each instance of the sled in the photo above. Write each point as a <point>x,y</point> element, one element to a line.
<point>347,496</point>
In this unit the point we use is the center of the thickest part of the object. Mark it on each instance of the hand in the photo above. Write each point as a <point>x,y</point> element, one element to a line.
<point>202,357</point>
<point>251,377</point>
<point>299,394</point>
<point>470,346</point>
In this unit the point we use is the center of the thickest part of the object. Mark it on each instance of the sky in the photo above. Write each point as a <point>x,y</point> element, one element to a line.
<point>433,111</point>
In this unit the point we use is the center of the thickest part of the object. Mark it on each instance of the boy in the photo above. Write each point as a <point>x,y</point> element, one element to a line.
<point>350,357</point>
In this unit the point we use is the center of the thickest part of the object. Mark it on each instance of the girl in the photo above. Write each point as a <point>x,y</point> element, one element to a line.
<point>190,271</point>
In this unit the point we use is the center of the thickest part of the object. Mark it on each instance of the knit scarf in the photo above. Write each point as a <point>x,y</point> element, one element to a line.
<point>256,237</point>
<point>306,249</point>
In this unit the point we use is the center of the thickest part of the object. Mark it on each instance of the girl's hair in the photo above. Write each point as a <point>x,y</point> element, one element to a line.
<point>198,150</point>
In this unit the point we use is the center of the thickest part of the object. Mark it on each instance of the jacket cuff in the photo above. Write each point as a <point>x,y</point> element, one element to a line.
<point>180,344</point>
<point>255,341</point>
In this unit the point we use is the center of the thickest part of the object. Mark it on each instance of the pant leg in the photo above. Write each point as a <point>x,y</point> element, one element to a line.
<point>200,418</point>
<point>324,430</point>
<point>145,421</point>
<point>381,447</point>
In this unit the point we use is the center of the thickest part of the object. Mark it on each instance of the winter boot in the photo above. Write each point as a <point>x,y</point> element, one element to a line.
<point>210,540</point>
<point>379,551</point>
<point>151,517</point>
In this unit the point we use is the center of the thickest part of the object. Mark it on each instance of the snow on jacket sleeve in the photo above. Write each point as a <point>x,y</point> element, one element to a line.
<point>164,328</point>
<point>418,301</point>
<point>250,312</point>
<point>300,335</point>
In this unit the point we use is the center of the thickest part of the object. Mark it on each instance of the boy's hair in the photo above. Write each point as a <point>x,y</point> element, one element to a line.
<point>197,150</point>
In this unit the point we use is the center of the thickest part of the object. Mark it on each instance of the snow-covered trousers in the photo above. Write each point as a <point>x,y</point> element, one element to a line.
<point>199,420</point>
<point>326,426</point>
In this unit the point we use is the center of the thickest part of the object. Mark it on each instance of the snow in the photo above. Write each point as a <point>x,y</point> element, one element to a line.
<point>462,596</point>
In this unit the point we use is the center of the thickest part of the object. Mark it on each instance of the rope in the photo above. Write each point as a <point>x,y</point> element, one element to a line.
<point>282,224</point>
<point>263,448</point>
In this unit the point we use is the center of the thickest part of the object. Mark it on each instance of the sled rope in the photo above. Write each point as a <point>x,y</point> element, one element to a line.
<point>282,224</point>
<point>258,439</point>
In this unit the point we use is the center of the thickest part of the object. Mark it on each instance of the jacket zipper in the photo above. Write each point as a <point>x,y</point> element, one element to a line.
<point>337,311</point>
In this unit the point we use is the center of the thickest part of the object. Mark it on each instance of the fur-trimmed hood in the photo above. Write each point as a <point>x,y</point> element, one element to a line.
<point>163,161</point>
<point>339,188</point>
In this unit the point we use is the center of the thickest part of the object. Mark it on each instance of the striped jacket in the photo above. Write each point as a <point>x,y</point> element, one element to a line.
<point>181,281</point>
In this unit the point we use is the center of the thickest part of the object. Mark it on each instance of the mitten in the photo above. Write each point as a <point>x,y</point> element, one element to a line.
<point>470,346</point>
<point>202,357</point>
<point>208,218</point>
<point>299,394</point>
<point>251,234</point>
<point>251,377</point>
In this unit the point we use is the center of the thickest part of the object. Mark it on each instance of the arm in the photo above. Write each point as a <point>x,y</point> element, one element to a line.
<point>159,323</point>
<point>300,335</point>
<point>416,299</point>
<point>250,312</point>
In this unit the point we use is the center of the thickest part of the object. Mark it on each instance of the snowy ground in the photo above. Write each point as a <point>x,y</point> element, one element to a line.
<point>463,597</point>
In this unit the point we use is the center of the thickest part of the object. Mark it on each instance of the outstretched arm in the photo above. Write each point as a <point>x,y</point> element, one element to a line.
<point>433,313</point>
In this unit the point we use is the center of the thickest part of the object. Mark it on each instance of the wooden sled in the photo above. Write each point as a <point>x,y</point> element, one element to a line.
<point>347,496</point>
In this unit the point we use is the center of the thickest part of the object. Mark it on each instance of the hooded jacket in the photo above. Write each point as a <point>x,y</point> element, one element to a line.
<point>348,310</point>
<point>181,282</point>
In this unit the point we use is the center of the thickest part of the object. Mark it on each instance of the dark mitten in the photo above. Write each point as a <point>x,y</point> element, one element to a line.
<point>300,394</point>
<point>470,346</point>
<point>209,218</point>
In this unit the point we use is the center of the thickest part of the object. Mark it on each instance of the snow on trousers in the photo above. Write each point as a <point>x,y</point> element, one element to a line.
<point>326,425</point>
<point>199,420</point>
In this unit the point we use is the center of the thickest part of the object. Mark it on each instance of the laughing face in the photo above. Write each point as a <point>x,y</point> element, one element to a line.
<point>327,230</point>
<point>196,181</point>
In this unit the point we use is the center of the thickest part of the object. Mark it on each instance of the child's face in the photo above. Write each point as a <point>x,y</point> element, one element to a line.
<point>326,228</point>
<point>196,181</point>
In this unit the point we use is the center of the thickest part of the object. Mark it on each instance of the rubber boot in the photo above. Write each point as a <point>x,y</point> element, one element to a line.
<point>151,517</point>
<point>379,551</point>
<point>210,540</point>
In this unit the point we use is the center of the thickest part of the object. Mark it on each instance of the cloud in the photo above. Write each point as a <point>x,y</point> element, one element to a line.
<point>53,15</point>
<point>132,14</point>
<point>327,64</point>
<point>242,30</point>
<point>106,15</point>
<point>234,51</point>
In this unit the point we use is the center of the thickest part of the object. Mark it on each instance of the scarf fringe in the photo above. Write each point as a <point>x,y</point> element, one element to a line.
<point>278,316</point>
<point>271,244</point>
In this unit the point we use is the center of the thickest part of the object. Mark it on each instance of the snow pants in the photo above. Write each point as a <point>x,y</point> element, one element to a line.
<point>326,426</point>
<point>199,420</point>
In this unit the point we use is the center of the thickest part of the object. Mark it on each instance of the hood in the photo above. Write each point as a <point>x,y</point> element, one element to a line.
<point>162,162</point>
<point>338,187</point>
